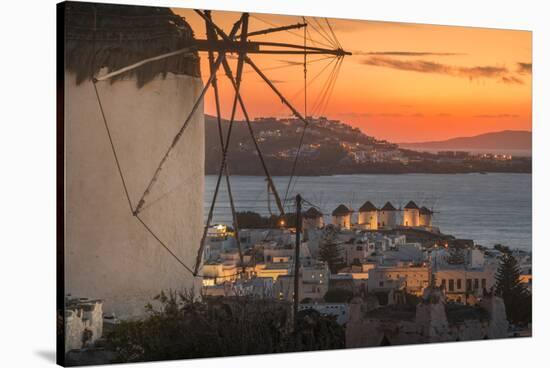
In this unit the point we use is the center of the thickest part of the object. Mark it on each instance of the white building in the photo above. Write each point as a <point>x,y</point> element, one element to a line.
<point>83,323</point>
<point>411,215</point>
<point>411,279</point>
<point>109,254</point>
<point>356,252</point>
<point>405,253</point>
<point>368,216</point>
<point>425,217</point>
<point>341,217</point>
<point>219,272</point>
<point>312,219</point>
<point>387,216</point>
<point>460,282</point>
<point>314,283</point>
<point>217,231</point>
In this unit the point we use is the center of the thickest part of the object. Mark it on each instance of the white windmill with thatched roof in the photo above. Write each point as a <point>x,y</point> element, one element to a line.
<point>132,98</point>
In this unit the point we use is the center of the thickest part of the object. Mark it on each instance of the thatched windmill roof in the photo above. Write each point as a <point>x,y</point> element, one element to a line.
<point>425,211</point>
<point>341,210</point>
<point>312,213</point>
<point>411,206</point>
<point>368,207</point>
<point>115,36</point>
<point>388,207</point>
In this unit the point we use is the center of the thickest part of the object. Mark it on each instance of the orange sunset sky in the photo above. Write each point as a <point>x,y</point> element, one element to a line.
<point>404,82</point>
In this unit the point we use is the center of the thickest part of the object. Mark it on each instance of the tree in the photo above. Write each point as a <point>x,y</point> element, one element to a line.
<point>329,250</point>
<point>456,256</point>
<point>184,327</point>
<point>501,248</point>
<point>516,297</point>
<point>338,295</point>
<point>316,332</point>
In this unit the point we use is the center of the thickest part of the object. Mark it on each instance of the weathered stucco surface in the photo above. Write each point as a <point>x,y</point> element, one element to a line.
<point>427,323</point>
<point>108,253</point>
<point>80,319</point>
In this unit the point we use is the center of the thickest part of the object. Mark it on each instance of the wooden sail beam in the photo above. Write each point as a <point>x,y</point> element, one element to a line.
<point>243,23</point>
<point>251,131</point>
<point>277,92</point>
<point>259,47</point>
<point>275,29</point>
<point>217,63</point>
<point>211,34</point>
<point>229,44</point>
<point>234,44</point>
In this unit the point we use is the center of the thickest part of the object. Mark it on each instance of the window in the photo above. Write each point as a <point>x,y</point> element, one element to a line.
<point>381,283</point>
<point>443,284</point>
<point>359,248</point>
<point>476,284</point>
<point>483,283</point>
<point>451,285</point>
<point>469,284</point>
<point>458,284</point>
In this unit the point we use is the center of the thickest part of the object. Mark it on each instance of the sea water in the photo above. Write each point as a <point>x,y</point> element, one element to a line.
<point>487,208</point>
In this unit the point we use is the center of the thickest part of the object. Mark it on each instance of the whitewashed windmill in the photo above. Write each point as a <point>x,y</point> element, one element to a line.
<point>134,153</point>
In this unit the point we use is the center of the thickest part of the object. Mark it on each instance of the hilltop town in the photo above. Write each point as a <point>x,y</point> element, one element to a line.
<point>380,275</point>
<point>333,147</point>
<point>383,268</point>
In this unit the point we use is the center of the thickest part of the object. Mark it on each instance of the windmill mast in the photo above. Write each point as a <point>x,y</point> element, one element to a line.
<point>218,44</point>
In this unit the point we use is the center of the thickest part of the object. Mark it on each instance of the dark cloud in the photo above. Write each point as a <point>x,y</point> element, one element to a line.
<point>525,68</point>
<point>423,66</point>
<point>405,53</point>
<point>381,115</point>
<point>496,116</point>
<point>291,62</point>
<point>511,80</point>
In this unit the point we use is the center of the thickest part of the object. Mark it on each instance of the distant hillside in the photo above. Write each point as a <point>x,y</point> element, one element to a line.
<point>330,147</point>
<point>506,140</point>
<point>322,152</point>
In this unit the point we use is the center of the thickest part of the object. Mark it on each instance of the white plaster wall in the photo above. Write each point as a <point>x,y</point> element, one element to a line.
<point>108,253</point>
<point>313,223</point>
<point>342,221</point>
<point>74,326</point>
<point>387,218</point>
<point>411,217</point>
<point>425,220</point>
<point>369,219</point>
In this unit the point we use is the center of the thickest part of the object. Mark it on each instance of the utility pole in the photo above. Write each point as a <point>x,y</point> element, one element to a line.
<point>297,259</point>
